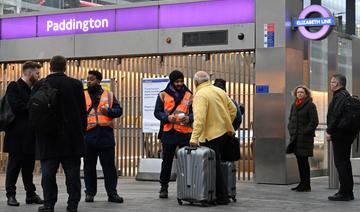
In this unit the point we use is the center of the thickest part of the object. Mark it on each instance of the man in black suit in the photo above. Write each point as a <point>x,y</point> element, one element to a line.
<point>66,145</point>
<point>19,140</point>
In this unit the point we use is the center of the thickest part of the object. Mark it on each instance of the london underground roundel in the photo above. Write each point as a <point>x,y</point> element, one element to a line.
<point>325,22</point>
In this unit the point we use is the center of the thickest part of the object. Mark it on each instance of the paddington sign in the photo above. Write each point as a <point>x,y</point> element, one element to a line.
<point>306,24</point>
<point>78,23</point>
<point>73,24</point>
<point>189,14</point>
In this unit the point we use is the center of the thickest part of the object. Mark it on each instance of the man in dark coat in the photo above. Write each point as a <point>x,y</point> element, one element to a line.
<point>99,138</point>
<point>19,140</point>
<point>340,138</point>
<point>66,145</point>
<point>172,138</point>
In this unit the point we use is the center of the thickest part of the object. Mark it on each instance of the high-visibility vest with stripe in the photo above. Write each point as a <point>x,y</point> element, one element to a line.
<point>183,107</point>
<point>95,117</point>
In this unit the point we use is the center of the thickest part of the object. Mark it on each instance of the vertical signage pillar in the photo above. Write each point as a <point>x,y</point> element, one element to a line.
<point>333,61</point>
<point>279,66</point>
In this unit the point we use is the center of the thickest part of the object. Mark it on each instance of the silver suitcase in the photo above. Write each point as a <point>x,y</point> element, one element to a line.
<point>229,173</point>
<point>196,175</point>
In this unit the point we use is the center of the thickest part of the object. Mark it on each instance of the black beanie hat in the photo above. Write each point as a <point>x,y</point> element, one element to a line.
<point>175,75</point>
<point>220,83</point>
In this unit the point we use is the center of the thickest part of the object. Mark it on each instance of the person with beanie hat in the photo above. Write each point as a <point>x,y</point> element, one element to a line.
<point>221,83</point>
<point>174,110</point>
<point>175,75</point>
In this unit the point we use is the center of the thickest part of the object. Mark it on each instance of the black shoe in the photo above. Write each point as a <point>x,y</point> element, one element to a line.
<point>163,193</point>
<point>12,201</point>
<point>115,198</point>
<point>71,208</point>
<point>303,188</point>
<point>34,200</point>
<point>89,198</point>
<point>295,188</point>
<point>46,208</point>
<point>341,197</point>
<point>222,201</point>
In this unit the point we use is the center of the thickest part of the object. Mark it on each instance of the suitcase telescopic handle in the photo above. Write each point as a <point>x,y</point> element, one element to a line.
<point>188,169</point>
<point>190,148</point>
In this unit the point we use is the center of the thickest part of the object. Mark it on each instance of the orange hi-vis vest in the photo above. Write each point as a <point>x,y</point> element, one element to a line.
<point>95,117</point>
<point>183,107</point>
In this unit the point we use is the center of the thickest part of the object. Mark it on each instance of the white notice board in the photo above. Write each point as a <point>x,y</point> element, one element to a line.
<point>151,89</point>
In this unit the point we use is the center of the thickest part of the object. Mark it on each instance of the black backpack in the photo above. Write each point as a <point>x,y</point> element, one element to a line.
<point>43,104</point>
<point>350,120</point>
<point>6,114</point>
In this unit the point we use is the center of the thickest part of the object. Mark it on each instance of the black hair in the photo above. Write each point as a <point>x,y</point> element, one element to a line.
<point>220,83</point>
<point>58,64</point>
<point>30,65</point>
<point>97,74</point>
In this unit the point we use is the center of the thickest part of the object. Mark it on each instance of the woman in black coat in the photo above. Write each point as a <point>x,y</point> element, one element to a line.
<point>303,121</point>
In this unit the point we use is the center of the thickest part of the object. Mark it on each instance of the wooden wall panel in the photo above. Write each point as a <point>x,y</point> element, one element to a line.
<point>127,74</point>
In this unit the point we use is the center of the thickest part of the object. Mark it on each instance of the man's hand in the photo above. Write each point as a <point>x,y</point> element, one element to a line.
<point>328,137</point>
<point>194,144</point>
<point>185,120</point>
<point>231,134</point>
<point>104,110</point>
<point>171,118</point>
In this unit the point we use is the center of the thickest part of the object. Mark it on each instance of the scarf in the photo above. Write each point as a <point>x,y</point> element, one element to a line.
<point>298,102</point>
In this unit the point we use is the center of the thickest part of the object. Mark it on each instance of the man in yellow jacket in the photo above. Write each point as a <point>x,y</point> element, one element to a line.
<point>214,113</point>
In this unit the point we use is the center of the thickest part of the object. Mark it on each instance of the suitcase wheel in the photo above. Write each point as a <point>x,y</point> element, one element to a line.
<point>180,202</point>
<point>234,199</point>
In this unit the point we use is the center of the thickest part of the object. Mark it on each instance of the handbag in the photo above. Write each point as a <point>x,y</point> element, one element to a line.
<point>231,149</point>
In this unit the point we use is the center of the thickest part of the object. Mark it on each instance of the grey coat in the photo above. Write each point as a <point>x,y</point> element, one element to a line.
<point>303,121</point>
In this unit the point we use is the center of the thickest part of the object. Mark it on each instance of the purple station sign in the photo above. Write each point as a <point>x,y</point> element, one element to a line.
<point>191,14</point>
<point>217,12</point>
<point>137,18</point>
<point>23,27</point>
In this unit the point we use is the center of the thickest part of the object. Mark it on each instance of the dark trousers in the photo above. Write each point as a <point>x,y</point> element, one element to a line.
<point>304,170</point>
<point>342,150</point>
<point>71,166</point>
<point>25,163</point>
<point>166,165</point>
<point>217,145</point>
<point>107,161</point>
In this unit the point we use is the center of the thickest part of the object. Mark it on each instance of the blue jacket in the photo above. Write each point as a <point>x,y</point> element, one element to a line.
<point>237,122</point>
<point>103,136</point>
